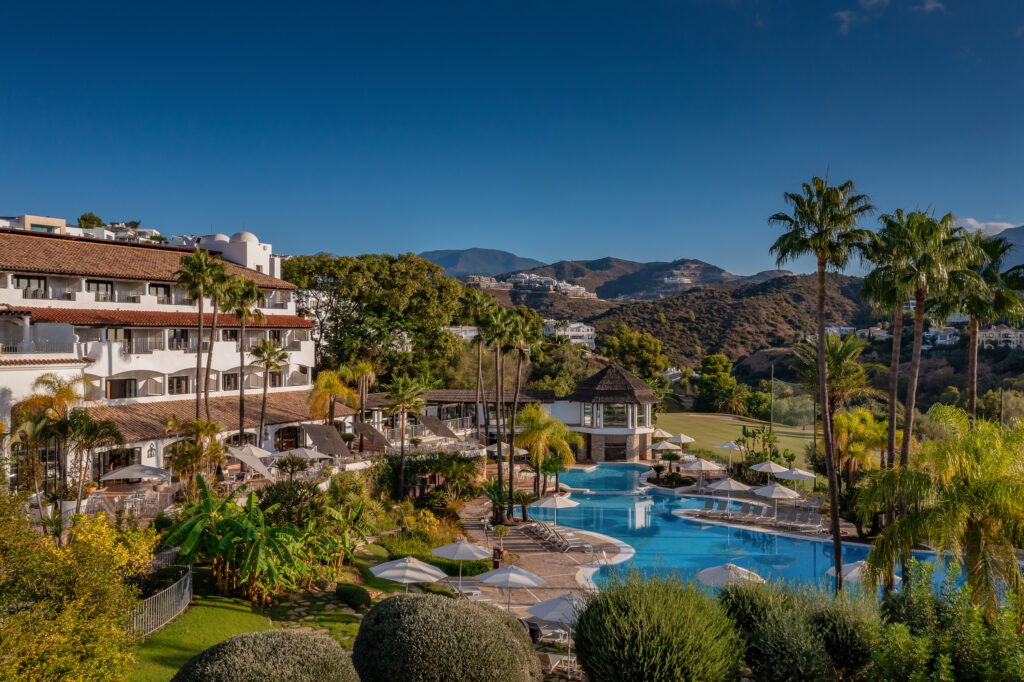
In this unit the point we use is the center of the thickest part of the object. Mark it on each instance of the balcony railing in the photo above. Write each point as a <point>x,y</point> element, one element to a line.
<point>104,297</point>
<point>187,345</point>
<point>461,424</point>
<point>128,297</point>
<point>164,300</point>
<point>43,294</point>
<point>270,303</point>
<point>38,347</point>
<point>137,346</point>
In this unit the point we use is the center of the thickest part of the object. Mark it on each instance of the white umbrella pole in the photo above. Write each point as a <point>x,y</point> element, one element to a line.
<point>460,575</point>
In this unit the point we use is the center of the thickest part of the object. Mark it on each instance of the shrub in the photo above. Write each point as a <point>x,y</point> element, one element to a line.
<point>848,627</point>
<point>750,605</point>
<point>271,655</point>
<point>353,595</point>
<point>655,628</point>
<point>299,500</point>
<point>785,646</point>
<point>421,638</point>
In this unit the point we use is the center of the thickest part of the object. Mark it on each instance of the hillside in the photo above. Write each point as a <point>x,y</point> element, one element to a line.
<point>554,306</point>
<point>625,280</point>
<point>1014,235</point>
<point>458,262</point>
<point>737,320</point>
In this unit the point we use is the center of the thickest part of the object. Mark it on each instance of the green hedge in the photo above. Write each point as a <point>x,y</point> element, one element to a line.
<point>653,628</point>
<point>423,638</point>
<point>270,656</point>
<point>353,595</point>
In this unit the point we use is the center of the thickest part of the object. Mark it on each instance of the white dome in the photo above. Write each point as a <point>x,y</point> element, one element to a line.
<point>212,238</point>
<point>244,237</point>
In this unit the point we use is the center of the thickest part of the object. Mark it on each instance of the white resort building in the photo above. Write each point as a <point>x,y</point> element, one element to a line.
<point>110,310</point>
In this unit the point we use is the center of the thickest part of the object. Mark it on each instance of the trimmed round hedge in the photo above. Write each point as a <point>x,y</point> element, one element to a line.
<point>651,628</point>
<point>270,656</point>
<point>423,638</point>
<point>353,595</point>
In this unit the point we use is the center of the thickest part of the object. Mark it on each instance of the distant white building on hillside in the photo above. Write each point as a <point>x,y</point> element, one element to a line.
<point>578,333</point>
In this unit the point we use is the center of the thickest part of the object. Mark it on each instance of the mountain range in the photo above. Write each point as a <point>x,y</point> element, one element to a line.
<point>1014,235</point>
<point>461,262</point>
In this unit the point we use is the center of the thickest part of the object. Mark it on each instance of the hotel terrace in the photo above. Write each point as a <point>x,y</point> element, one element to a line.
<point>110,310</point>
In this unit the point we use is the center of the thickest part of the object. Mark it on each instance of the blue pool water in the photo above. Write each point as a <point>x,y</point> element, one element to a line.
<point>664,540</point>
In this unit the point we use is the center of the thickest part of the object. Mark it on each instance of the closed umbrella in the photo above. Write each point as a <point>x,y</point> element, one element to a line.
<point>563,610</point>
<point>136,471</point>
<point>407,570</point>
<point>461,551</point>
<point>556,502</point>
<point>509,577</point>
<point>776,492</point>
<point>727,574</point>
<point>729,486</point>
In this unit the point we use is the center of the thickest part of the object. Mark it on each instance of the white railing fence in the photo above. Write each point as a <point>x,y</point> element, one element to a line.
<point>154,612</point>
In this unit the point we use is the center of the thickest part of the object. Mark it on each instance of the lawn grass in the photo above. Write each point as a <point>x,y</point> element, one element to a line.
<point>212,618</point>
<point>709,430</point>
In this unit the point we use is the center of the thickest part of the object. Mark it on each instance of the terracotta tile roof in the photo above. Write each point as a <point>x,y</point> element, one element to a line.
<point>466,395</point>
<point>152,318</point>
<point>145,420</point>
<point>31,252</point>
<point>18,362</point>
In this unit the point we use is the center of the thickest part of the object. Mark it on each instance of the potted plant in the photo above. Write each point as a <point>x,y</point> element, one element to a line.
<point>63,498</point>
<point>500,532</point>
<point>91,487</point>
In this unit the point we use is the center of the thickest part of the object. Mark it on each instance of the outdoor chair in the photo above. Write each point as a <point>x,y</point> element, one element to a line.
<point>754,513</point>
<point>815,523</point>
<point>709,505</point>
<point>786,517</point>
<point>767,515</point>
<point>799,519</point>
<point>721,509</point>
<point>743,511</point>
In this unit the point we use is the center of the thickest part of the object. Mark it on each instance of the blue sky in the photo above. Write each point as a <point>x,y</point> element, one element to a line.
<point>643,130</point>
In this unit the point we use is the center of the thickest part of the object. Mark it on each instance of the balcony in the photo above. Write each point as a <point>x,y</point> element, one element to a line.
<point>143,345</point>
<point>44,295</point>
<point>187,345</point>
<point>164,300</point>
<point>128,297</point>
<point>274,305</point>
<point>37,347</point>
<point>104,297</point>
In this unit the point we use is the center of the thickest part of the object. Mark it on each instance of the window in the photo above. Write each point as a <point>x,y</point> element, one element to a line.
<point>105,462</point>
<point>274,335</point>
<point>259,268</point>
<point>104,291</point>
<point>119,335</point>
<point>161,291</point>
<point>588,414</point>
<point>275,379</point>
<point>29,282</point>
<point>121,388</point>
<point>229,335</point>
<point>36,227</point>
<point>177,385</point>
<point>615,416</point>
<point>177,339</point>
<point>229,381</point>
<point>286,438</point>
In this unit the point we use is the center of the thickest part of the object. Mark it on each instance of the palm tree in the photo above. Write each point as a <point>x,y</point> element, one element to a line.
<point>524,339</point>
<point>996,299</point>
<point>404,395</point>
<point>965,497</point>
<point>547,439</point>
<point>883,288</point>
<point>84,435</point>
<point>269,357</point>
<point>55,396</point>
<point>494,332</point>
<point>475,306</point>
<point>219,288</point>
<point>242,300</point>
<point>198,275</point>
<point>824,225</point>
<point>328,388</point>
<point>858,436</point>
<point>935,259</point>
<point>362,374</point>
<point>847,377</point>
<point>32,434</point>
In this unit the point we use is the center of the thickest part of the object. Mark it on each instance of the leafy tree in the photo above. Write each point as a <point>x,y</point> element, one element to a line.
<point>858,437</point>
<point>547,439</point>
<point>269,357</point>
<point>560,368</point>
<point>200,275</point>
<point>714,383</point>
<point>965,498</point>
<point>638,352</point>
<point>85,434</point>
<point>404,395</point>
<point>823,224</point>
<point>328,388</point>
<point>89,220</point>
<point>242,299</point>
<point>524,337</point>
<point>362,374</point>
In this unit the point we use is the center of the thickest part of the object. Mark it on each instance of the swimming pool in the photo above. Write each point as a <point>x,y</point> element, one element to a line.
<point>663,539</point>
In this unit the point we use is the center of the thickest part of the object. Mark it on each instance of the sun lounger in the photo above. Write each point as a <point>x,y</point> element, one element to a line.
<point>767,515</point>
<point>469,590</point>
<point>721,509</point>
<point>799,519</point>
<point>815,523</point>
<point>786,517</point>
<point>744,510</point>
<point>709,505</point>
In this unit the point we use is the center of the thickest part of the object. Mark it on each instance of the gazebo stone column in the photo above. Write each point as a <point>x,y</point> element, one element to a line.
<point>597,447</point>
<point>633,452</point>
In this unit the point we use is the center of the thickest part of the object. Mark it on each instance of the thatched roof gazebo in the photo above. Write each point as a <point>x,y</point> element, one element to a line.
<point>613,384</point>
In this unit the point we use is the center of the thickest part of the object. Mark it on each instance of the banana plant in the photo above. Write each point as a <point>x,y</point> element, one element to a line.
<point>201,532</point>
<point>348,528</point>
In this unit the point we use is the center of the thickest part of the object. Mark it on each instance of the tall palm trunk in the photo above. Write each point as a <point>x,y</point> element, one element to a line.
<point>827,433</point>
<point>209,357</point>
<point>512,432</point>
<point>263,409</point>
<point>894,381</point>
<point>241,384</point>
<point>497,421</point>
<point>915,367</point>
<point>972,380</point>
<point>401,461</point>
<point>479,390</point>
<point>199,358</point>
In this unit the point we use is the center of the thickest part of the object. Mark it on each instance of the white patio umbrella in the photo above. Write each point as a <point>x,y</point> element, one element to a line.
<point>661,433</point>
<point>853,573</point>
<point>729,486</point>
<point>407,570</point>
<point>664,446</point>
<point>493,449</point>
<point>563,610</point>
<point>702,465</point>
<point>681,439</point>
<point>460,551</point>
<point>306,453</point>
<point>727,574</point>
<point>509,577</point>
<point>137,471</point>
<point>795,474</point>
<point>768,467</point>
<point>253,451</point>
<point>776,492</point>
<point>731,447</point>
<point>556,502</point>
